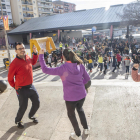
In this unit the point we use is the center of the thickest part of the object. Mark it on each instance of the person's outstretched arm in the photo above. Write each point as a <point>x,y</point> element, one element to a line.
<point>45,69</point>
<point>35,56</point>
<point>135,75</point>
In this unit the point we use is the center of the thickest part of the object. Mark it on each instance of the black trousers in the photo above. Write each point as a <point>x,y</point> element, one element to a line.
<point>105,68</point>
<point>114,69</point>
<point>25,93</point>
<point>50,64</point>
<point>118,64</point>
<point>71,106</point>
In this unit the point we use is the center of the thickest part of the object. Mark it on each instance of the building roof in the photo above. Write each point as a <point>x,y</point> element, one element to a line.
<point>73,21</point>
<point>61,2</point>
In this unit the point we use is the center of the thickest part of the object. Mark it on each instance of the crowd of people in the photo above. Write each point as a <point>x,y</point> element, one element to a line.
<point>102,54</point>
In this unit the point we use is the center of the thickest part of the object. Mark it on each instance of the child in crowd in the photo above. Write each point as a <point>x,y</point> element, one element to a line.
<point>124,57</point>
<point>100,61</point>
<point>105,64</point>
<point>90,65</point>
<point>49,61</point>
<point>127,64</point>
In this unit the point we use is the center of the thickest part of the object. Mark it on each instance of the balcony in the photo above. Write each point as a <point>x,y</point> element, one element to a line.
<point>56,12</point>
<point>43,0</point>
<point>28,15</point>
<point>3,7</point>
<point>66,5</point>
<point>27,3</point>
<point>61,8</point>
<point>27,9</point>
<point>3,14</point>
<point>40,5</point>
<point>48,6</point>
<point>45,11</point>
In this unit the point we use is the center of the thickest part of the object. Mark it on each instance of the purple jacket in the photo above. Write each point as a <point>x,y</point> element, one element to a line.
<point>73,76</point>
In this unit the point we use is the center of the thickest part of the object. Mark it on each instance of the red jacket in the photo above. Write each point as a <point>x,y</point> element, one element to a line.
<point>118,58</point>
<point>22,70</point>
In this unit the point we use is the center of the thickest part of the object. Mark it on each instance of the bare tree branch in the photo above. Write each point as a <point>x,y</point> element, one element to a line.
<point>131,14</point>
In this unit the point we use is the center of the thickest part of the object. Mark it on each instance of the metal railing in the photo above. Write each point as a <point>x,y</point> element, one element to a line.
<point>48,6</point>
<point>66,5</point>
<point>28,15</point>
<point>28,3</point>
<point>26,9</point>
<point>3,14</point>
<point>3,7</point>
<point>61,8</point>
<point>46,11</point>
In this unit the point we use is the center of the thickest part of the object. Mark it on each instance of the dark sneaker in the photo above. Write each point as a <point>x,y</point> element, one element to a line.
<point>20,125</point>
<point>34,120</point>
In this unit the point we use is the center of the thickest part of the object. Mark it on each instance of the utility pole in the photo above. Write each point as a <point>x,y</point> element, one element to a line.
<point>6,39</point>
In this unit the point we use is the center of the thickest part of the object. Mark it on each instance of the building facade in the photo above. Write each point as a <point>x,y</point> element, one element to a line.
<point>45,7</point>
<point>23,10</point>
<point>6,7</point>
<point>60,7</point>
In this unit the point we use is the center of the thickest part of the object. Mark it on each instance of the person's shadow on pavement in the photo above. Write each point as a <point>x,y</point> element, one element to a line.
<point>18,131</point>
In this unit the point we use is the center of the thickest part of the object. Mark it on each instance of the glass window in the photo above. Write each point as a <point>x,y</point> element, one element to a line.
<point>19,7</point>
<point>20,13</point>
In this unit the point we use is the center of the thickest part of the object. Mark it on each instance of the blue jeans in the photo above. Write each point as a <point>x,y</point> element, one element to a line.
<point>101,66</point>
<point>127,69</point>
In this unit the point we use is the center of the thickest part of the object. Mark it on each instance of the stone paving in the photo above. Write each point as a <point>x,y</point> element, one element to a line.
<point>112,113</point>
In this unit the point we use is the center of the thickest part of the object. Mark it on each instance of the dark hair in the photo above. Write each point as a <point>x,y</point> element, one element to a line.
<point>17,43</point>
<point>71,56</point>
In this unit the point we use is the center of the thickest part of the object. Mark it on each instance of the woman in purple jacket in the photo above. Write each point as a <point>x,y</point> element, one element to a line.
<point>74,78</point>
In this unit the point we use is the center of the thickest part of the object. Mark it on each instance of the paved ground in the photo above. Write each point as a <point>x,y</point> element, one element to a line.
<point>112,113</point>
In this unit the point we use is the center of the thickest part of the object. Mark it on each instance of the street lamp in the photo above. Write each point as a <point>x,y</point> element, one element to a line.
<point>6,39</point>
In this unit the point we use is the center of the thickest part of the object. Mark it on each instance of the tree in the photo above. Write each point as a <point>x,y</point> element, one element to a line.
<point>131,14</point>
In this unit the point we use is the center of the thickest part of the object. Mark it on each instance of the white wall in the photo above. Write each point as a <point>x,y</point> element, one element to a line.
<point>14,38</point>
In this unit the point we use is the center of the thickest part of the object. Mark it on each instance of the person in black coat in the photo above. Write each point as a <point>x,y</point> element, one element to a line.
<point>105,64</point>
<point>114,64</point>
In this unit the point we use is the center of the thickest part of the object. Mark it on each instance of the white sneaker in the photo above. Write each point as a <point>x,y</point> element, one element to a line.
<point>75,137</point>
<point>87,131</point>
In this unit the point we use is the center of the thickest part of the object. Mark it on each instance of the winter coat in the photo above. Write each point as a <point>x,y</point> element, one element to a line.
<point>114,62</point>
<point>118,58</point>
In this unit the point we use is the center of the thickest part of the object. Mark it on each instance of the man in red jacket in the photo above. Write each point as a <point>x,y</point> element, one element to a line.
<point>20,77</point>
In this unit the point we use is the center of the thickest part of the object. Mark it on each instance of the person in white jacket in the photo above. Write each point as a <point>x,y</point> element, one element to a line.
<point>49,61</point>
